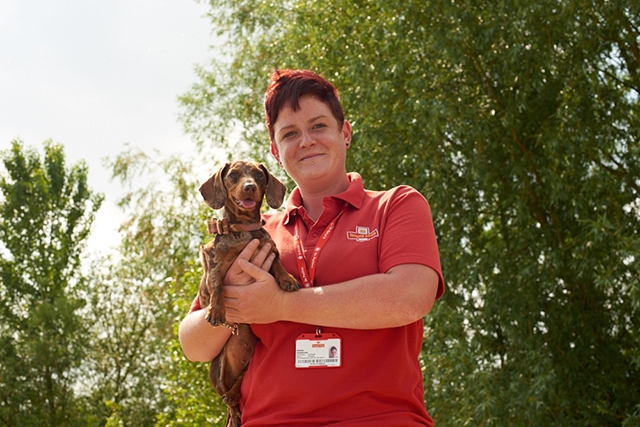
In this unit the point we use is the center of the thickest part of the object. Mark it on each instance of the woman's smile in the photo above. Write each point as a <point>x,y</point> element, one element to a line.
<point>311,144</point>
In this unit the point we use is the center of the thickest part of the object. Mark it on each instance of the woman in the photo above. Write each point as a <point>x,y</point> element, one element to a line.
<point>370,268</point>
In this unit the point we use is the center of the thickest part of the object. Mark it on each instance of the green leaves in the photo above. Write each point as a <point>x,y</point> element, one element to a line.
<point>519,122</point>
<point>47,211</point>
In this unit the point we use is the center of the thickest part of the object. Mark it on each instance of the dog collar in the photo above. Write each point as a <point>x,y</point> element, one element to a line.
<point>222,226</point>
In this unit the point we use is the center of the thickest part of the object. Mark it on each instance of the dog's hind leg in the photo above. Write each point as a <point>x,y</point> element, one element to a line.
<point>232,397</point>
<point>234,417</point>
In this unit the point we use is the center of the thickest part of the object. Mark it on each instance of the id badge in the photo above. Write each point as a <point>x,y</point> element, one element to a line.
<point>318,351</point>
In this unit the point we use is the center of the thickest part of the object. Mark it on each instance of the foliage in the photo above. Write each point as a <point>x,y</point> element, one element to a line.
<point>97,348</point>
<point>146,293</point>
<point>519,121</point>
<point>195,402</point>
<point>123,374</point>
<point>46,214</point>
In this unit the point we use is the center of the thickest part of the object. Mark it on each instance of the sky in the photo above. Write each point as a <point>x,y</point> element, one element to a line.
<point>94,75</point>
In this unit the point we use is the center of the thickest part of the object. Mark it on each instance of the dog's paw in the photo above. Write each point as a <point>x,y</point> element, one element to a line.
<point>215,318</point>
<point>288,283</point>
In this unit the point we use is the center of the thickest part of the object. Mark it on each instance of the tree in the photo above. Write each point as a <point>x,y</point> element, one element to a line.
<point>47,211</point>
<point>123,373</point>
<point>138,373</point>
<point>519,121</point>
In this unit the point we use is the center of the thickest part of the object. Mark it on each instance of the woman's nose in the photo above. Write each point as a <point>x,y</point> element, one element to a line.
<point>306,139</point>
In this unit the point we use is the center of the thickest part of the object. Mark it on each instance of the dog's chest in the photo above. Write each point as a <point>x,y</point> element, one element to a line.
<point>225,243</point>
<point>234,243</point>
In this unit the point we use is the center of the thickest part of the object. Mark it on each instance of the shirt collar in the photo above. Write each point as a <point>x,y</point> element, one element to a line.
<point>354,196</point>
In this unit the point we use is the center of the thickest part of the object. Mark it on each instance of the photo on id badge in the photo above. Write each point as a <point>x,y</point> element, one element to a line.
<point>314,351</point>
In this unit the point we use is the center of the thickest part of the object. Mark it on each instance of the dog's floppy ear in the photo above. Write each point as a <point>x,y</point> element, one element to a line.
<point>275,189</point>
<point>213,190</point>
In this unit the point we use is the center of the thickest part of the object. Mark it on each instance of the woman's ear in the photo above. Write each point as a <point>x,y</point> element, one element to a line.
<point>274,152</point>
<point>346,132</point>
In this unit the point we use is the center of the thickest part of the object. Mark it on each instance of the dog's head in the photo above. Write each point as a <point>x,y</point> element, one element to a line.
<point>241,185</point>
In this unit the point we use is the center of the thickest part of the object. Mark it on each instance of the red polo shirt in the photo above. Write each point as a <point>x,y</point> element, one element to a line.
<point>379,382</point>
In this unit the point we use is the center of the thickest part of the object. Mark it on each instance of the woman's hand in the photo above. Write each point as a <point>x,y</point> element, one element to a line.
<point>262,258</point>
<point>260,301</point>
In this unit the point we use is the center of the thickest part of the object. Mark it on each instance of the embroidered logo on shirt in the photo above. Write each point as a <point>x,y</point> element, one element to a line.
<point>362,234</point>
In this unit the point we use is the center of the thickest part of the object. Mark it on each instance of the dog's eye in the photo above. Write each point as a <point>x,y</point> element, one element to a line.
<point>232,176</point>
<point>260,176</point>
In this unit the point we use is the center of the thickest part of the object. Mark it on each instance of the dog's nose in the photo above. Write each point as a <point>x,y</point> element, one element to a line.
<point>249,187</point>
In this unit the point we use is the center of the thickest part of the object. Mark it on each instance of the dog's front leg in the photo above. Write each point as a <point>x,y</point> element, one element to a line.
<point>216,311</point>
<point>285,280</point>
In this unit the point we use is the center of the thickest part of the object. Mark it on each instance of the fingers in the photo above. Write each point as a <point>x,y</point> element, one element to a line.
<point>266,265</point>
<point>263,258</point>
<point>250,303</point>
<point>254,273</point>
<point>254,270</point>
<point>249,250</point>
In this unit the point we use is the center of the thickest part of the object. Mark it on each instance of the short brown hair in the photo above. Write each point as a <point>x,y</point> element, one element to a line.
<point>285,89</point>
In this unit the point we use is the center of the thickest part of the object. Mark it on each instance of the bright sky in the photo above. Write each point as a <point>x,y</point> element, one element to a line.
<point>94,75</point>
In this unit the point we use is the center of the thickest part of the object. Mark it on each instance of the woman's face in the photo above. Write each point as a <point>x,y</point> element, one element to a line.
<point>310,143</point>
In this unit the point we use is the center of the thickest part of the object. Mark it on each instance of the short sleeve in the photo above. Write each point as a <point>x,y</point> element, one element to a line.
<point>408,235</point>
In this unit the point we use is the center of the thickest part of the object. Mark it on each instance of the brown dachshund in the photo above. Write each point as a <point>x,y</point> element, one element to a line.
<point>237,189</point>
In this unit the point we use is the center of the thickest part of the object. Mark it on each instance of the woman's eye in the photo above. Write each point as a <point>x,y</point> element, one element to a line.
<point>319,125</point>
<point>288,134</point>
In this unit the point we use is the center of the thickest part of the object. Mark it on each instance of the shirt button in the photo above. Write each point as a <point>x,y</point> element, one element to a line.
<point>314,235</point>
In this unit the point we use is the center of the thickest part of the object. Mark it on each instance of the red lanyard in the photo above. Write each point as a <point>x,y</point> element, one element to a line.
<point>307,275</point>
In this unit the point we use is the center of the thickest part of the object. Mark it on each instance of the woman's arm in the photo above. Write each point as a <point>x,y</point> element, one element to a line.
<point>402,295</point>
<point>200,341</point>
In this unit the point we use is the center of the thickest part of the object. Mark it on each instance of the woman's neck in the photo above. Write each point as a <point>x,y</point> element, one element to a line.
<point>313,200</point>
